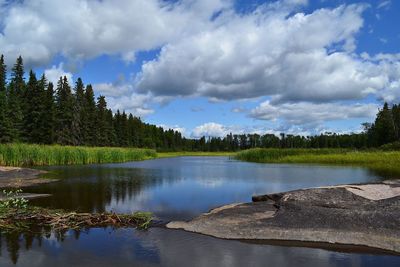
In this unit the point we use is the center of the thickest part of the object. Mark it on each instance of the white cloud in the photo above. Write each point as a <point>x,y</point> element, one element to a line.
<point>211,129</point>
<point>81,29</point>
<point>269,52</point>
<point>311,114</point>
<point>55,72</point>
<point>137,104</point>
<point>176,128</point>
<point>384,4</point>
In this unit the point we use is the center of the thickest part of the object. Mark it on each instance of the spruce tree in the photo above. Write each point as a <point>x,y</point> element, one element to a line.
<point>383,130</point>
<point>15,97</point>
<point>64,113</point>
<point>4,120</point>
<point>102,122</point>
<point>90,118</point>
<point>48,116</point>
<point>81,114</point>
<point>33,110</point>
<point>396,119</point>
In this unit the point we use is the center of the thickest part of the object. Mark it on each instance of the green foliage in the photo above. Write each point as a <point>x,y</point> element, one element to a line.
<point>35,113</point>
<point>13,200</point>
<point>383,130</point>
<point>391,146</point>
<point>143,219</point>
<point>39,155</point>
<point>383,161</point>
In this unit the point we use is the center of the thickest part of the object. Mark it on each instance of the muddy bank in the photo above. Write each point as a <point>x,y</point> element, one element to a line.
<point>21,177</point>
<point>361,215</point>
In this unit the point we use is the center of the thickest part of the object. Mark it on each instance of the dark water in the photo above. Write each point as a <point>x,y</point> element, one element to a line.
<point>175,189</point>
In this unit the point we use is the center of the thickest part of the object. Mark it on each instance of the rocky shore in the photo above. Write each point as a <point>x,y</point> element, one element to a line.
<point>362,215</point>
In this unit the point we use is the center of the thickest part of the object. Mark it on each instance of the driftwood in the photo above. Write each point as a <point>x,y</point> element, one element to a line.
<point>58,220</point>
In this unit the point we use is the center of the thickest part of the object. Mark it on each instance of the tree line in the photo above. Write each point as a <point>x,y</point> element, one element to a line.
<point>36,111</point>
<point>384,131</point>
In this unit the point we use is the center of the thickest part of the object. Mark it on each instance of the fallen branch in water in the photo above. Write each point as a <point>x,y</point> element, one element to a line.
<point>12,219</point>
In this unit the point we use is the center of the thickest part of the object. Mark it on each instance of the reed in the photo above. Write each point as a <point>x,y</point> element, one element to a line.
<point>38,155</point>
<point>387,162</point>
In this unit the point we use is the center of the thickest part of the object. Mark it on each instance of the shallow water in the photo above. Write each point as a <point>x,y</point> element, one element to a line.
<point>175,189</point>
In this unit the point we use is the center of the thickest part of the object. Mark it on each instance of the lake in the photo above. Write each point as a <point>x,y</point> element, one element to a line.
<point>175,189</point>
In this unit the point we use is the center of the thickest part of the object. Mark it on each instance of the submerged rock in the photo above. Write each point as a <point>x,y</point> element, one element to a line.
<point>362,215</point>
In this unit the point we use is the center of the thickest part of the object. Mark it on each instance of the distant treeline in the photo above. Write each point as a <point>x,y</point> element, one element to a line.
<point>36,111</point>
<point>384,131</point>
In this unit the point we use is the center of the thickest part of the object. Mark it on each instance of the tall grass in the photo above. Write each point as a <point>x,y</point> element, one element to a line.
<point>387,162</point>
<point>39,155</point>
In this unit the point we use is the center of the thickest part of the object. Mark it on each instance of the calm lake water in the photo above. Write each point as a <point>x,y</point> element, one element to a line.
<point>175,189</point>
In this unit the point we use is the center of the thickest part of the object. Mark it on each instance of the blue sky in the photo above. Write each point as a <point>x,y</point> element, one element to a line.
<point>211,67</point>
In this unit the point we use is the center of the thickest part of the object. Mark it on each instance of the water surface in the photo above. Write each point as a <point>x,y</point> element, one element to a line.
<point>175,189</point>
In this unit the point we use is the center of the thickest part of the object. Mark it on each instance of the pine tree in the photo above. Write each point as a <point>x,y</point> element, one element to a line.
<point>15,103</point>
<point>383,130</point>
<point>48,116</point>
<point>89,130</point>
<point>78,122</point>
<point>396,119</point>
<point>33,110</point>
<point>4,120</point>
<point>102,123</point>
<point>64,113</point>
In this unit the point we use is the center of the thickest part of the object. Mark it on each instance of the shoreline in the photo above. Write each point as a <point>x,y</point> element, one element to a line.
<point>359,215</point>
<point>17,177</point>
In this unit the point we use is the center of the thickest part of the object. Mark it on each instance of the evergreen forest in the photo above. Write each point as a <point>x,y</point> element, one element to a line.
<point>33,110</point>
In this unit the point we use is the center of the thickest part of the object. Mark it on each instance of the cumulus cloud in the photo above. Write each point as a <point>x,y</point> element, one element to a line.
<point>210,129</point>
<point>81,29</point>
<point>176,128</point>
<point>269,52</point>
<point>55,72</point>
<point>315,115</point>
<point>305,63</point>
<point>121,96</point>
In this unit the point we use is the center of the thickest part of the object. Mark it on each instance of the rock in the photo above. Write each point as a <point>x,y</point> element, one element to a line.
<point>21,177</point>
<point>362,215</point>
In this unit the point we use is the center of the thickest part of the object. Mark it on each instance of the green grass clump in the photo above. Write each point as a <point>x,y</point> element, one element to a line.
<point>39,155</point>
<point>387,162</point>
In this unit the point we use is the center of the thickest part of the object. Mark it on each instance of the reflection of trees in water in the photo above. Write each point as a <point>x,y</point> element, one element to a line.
<point>91,189</point>
<point>13,242</point>
<point>84,188</point>
<point>384,174</point>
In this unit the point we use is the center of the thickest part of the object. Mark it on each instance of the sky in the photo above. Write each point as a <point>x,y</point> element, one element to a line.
<point>211,67</point>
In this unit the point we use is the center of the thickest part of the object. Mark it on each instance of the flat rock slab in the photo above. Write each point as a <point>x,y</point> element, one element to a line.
<point>365,215</point>
<point>21,177</point>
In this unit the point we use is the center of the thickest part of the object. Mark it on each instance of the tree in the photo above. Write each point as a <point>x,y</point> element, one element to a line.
<point>383,130</point>
<point>15,97</point>
<point>64,113</point>
<point>48,116</point>
<point>102,122</point>
<point>4,120</point>
<point>33,109</point>
<point>396,119</point>
<point>80,119</point>
<point>89,130</point>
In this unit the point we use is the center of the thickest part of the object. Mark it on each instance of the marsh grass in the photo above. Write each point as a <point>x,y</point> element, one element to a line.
<point>385,162</point>
<point>39,155</point>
